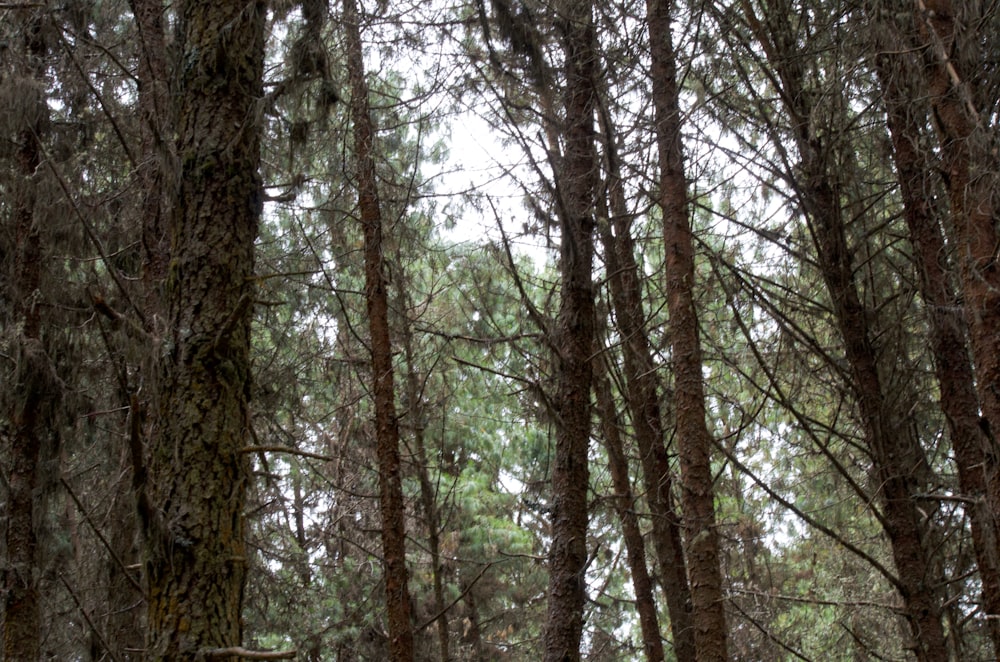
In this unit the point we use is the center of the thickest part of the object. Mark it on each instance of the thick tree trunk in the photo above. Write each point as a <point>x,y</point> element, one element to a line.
<point>198,472</point>
<point>392,505</point>
<point>693,437</point>
<point>948,331</point>
<point>643,396</point>
<point>972,174</point>
<point>635,547</point>
<point>575,341</point>
<point>33,388</point>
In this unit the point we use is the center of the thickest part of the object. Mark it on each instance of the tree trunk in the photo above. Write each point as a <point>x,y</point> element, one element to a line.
<point>635,547</point>
<point>693,437</point>
<point>33,388</point>
<point>970,167</point>
<point>575,341</point>
<point>948,331</point>
<point>428,495</point>
<point>643,395</point>
<point>126,618</point>
<point>392,506</point>
<point>899,463</point>
<point>154,111</point>
<point>899,467</point>
<point>198,473</point>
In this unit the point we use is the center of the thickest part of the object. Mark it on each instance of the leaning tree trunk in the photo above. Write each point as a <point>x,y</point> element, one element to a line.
<point>948,330</point>
<point>198,471</point>
<point>642,389</point>
<point>693,437</point>
<point>624,503</point>
<point>575,340</point>
<point>392,505</point>
<point>971,165</point>
<point>899,467</point>
<point>33,388</point>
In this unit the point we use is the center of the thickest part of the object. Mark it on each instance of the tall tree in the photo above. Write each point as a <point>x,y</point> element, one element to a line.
<point>900,469</point>
<point>950,40</point>
<point>694,440</point>
<point>34,385</point>
<point>948,329</point>
<point>642,585</point>
<point>198,472</point>
<point>575,337</point>
<point>391,504</point>
<point>643,393</point>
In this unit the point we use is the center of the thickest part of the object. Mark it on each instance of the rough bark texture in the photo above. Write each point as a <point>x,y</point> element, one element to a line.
<point>971,167</point>
<point>576,183</point>
<point>34,387</point>
<point>635,547</point>
<point>196,558</point>
<point>948,329</point>
<point>693,437</point>
<point>643,396</point>
<point>154,133</point>
<point>392,506</point>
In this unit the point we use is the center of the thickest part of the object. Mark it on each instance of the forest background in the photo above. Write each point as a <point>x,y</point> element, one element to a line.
<point>500,330</point>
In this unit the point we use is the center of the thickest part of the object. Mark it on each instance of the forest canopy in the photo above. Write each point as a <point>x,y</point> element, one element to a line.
<point>500,330</point>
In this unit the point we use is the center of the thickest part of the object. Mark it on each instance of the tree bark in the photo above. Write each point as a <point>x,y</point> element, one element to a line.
<point>198,473</point>
<point>899,468</point>
<point>428,494</point>
<point>575,340</point>
<point>948,329</point>
<point>33,388</point>
<point>643,396</point>
<point>693,437</point>
<point>155,129</point>
<point>392,505</point>
<point>635,547</point>
<point>971,168</point>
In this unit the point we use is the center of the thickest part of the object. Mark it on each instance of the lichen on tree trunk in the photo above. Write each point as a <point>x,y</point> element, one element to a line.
<point>198,472</point>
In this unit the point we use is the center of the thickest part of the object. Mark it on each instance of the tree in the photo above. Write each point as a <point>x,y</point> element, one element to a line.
<point>694,440</point>
<point>391,503</point>
<point>574,338</point>
<point>198,471</point>
<point>30,414</point>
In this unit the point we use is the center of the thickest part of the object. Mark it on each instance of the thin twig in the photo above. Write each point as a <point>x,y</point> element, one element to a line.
<point>289,450</point>
<point>86,617</point>
<point>100,536</point>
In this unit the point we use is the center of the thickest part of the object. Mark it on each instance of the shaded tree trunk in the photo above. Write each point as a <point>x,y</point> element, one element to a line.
<point>33,387</point>
<point>574,341</point>
<point>155,155</point>
<point>392,506</point>
<point>948,329</point>
<point>198,472</point>
<point>693,437</point>
<point>428,494</point>
<point>971,169</point>
<point>126,616</point>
